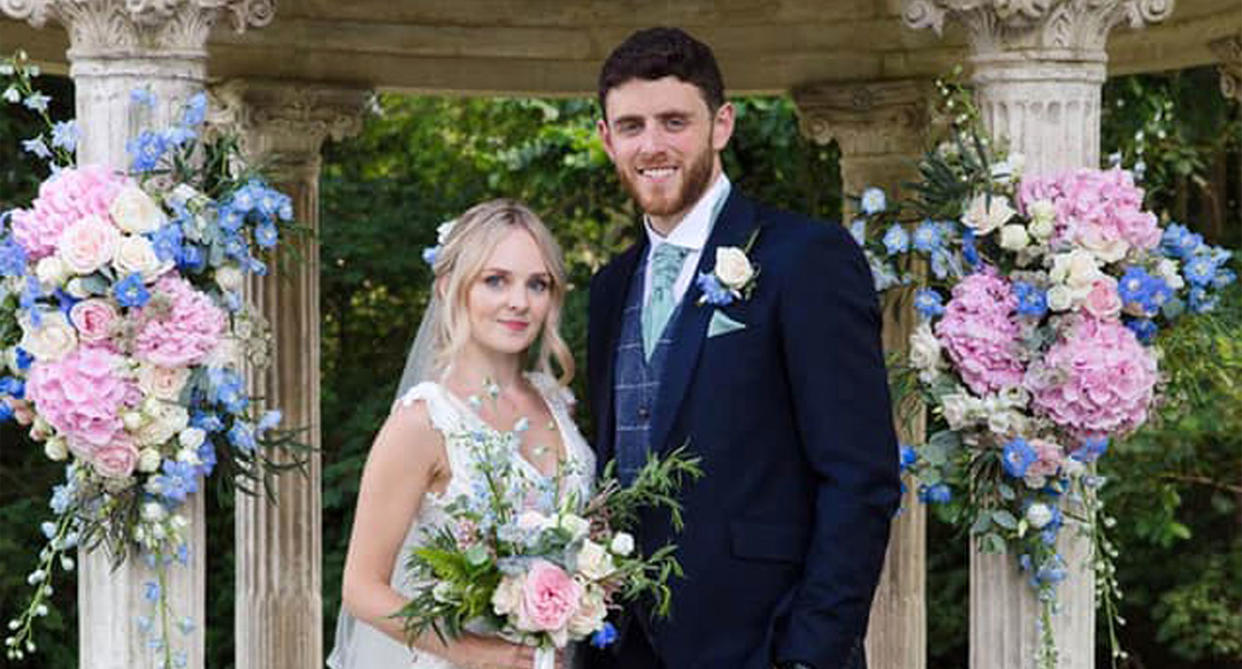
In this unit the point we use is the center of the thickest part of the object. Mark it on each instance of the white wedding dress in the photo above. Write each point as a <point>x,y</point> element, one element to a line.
<point>360,646</point>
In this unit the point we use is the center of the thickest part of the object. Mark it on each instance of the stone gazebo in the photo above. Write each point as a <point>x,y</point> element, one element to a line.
<point>289,76</point>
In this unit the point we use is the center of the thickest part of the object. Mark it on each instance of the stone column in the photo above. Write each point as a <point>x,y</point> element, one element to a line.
<point>881,128</point>
<point>1037,68</point>
<point>1229,50</point>
<point>116,46</point>
<point>279,618</point>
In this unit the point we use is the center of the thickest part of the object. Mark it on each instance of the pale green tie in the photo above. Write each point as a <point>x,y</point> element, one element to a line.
<point>666,261</point>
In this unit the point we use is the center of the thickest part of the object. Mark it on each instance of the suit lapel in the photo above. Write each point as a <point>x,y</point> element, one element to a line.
<point>732,228</point>
<point>615,286</point>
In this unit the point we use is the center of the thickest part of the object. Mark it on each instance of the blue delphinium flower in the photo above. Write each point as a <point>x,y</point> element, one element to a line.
<point>266,235</point>
<point>12,258</point>
<point>208,422</point>
<point>896,240</point>
<point>130,291</point>
<point>938,493</point>
<point>23,358</point>
<point>241,435</point>
<point>858,230</point>
<point>177,480</point>
<point>229,392</point>
<point>430,254</point>
<point>206,457</point>
<point>1051,571</point>
<point>28,300</point>
<point>1201,301</point>
<point>1091,449</point>
<point>1200,269</point>
<point>192,259</point>
<point>928,303</point>
<point>65,135</point>
<point>13,386</point>
<point>37,146</point>
<point>236,247</point>
<point>36,101</point>
<point>604,636</point>
<point>714,292</point>
<point>1032,301</point>
<point>909,456</point>
<point>269,420</point>
<point>873,201</point>
<point>167,241</point>
<point>1017,457</point>
<point>145,150</point>
<point>1143,328</point>
<point>969,253</point>
<point>195,109</point>
<point>178,135</point>
<point>927,237</point>
<point>244,198</point>
<point>6,412</point>
<point>142,96</point>
<point>151,591</point>
<point>230,218</point>
<point>1179,242</point>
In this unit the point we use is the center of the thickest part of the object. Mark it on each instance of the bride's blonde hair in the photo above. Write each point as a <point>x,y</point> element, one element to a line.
<point>460,261</point>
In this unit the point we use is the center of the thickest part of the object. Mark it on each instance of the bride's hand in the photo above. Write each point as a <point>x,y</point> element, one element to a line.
<point>478,652</point>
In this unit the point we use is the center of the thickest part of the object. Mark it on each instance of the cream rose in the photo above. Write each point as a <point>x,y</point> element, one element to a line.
<point>1077,269</point>
<point>166,383</point>
<point>1059,298</point>
<point>164,421</point>
<point>192,437</point>
<point>594,562</point>
<point>733,267</point>
<point>52,340</point>
<point>577,526</point>
<point>1041,229</point>
<point>51,271</point>
<point>508,595</point>
<point>1038,515</point>
<point>136,255</point>
<point>987,212</point>
<point>135,212</point>
<point>77,288</point>
<point>1043,210</point>
<point>622,544</point>
<point>590,614</point>
<point>229,278</point>
<point>924,348</point>
<point>1013,237</point>
<point>956,408</point>
<point>87,245</point>
<point>56,449</point>
<point>148,460</point>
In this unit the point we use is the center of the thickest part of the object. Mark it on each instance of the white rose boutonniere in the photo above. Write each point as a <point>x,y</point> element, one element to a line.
<point>733,277</point>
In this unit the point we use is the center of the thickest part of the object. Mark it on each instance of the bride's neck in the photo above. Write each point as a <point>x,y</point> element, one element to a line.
<point>473,368</point>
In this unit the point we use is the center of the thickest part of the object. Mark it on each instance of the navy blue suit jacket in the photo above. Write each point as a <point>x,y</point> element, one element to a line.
<point>786,533</point>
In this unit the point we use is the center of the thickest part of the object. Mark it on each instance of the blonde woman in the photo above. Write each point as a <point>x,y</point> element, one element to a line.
<point>499,287</point>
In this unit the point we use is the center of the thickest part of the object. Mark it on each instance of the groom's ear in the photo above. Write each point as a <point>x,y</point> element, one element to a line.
<point>601,127</point>
<point>722,126</point>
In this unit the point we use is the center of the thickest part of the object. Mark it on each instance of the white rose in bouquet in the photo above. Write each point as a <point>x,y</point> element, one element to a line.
<point>594,562</point>
<point>135,212</point>
<point>52,339</point>
<point>136,255</point>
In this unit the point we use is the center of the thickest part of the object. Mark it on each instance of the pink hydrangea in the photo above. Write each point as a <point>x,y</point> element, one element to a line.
<point>980,335</point>
<point>63,200</point>
<point>1097,380</point>
<point>1100,210</point>
<point>82,396</point>
<point>184,332</point>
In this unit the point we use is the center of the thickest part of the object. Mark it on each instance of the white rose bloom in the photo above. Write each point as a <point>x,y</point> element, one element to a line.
<point>590,614</point>
<point>924,348</point>
<point>1038,515</point>
<point>1013,237</point>
<point>733,267</point>
<point>444,230</point>
<point>166,420</point>
<point>577,526</point>
<point>508,595</point>
<point>55,449</point>
<point>77,288</point>
<point>1014,397</point>
<point>148,460</point>
<point>52,340</point>
<point>135,254</point>
<point>52,271</point>
<point>1043,210</point>
<point>165,383</point>
<point>227,353</point>
<point>187,455</point>
<point>132,420</point>
<point>135,212</point>
<point>1167,269</point>
<point>153,512</point>
<point>622,544</point>
<point>987,213</point>
<point>192,437</point>
<point>1041,229</point>
<point>956,408</point>
<point>1106,250</point>
<point>229,278</point>
<point>594,562</point>
<point>1059,298</point>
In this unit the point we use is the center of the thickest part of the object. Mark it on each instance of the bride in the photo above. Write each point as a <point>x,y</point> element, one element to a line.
<point>499,287</point>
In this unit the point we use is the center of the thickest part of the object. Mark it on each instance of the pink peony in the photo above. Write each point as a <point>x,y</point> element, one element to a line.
<point>1097,380</point>
<point>95,319</point>
<point>1103,301</point>
<point>63,200</point>
<point>549,598</point>
<point>117,458</point>
<point>182,334</point>
<point>82,396</point>
<point>980,335</point>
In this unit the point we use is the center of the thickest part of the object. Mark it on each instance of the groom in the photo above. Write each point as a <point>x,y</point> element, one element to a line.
<point>779,387</point>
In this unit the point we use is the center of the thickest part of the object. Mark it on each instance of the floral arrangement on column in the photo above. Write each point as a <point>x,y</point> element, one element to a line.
<point>1040,301</point>
<point>125,340</point>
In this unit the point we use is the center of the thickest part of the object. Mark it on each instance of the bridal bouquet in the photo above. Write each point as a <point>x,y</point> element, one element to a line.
<point>531,563</point>
<point>1037,342</point>
<point>123,335</point>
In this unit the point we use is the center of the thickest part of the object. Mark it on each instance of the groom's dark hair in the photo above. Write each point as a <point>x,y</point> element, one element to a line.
<point>656,53</point>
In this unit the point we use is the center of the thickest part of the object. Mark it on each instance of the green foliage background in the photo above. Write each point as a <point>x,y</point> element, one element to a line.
<point>420,161</point>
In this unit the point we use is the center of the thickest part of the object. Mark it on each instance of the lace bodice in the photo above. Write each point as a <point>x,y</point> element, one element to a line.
<point>358,645</point>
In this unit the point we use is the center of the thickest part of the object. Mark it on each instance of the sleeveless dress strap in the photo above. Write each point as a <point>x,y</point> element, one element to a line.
<point>445,417</point>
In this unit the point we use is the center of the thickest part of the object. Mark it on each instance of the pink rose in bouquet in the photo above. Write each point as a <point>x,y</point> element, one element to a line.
<point>88,244</point>
<point>1097,380</point>
<point>184,335</point>
<point>1103,300</point>
<point>549,598</point>
<point>95,319</point>
<point>980,334</point>
<point>117,458</point>
<point>1049,457</point>
<point>63,200</point>
<point>82,395</point>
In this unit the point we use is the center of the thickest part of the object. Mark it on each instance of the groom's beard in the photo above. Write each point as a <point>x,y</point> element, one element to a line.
<point>694,183</point>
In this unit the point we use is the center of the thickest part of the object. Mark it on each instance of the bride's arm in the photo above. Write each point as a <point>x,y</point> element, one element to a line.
<point>406,460</point>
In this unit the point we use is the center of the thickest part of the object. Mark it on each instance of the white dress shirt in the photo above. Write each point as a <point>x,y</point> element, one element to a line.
<point>691,233</point>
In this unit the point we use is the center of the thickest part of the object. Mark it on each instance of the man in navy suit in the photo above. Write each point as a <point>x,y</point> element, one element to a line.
<point>752,335</point>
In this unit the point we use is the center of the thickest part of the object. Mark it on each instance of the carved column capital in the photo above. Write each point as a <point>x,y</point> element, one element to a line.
<point>134,28</point>
<point>866,118</point>
<point>1229,50</point>
<point>1074,29</point>
<point>285,123</point>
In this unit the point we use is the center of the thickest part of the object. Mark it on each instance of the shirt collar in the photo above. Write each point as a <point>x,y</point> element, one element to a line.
<point>693,230</point>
